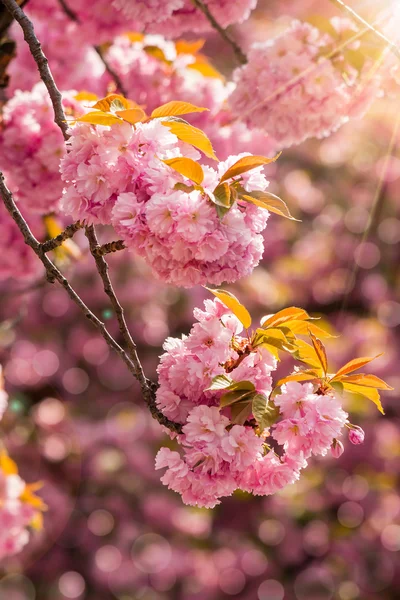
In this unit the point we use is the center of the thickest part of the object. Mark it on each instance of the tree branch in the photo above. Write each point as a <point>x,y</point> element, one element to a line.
<point>360,21</point>
<point>109,248</point>
<point>74,17</point>
<point>148,388</point>
<point>111,72</point>
<point>41,61</point>
<point>53,274</point>
<point>57,241</point>
<point>240,55</point>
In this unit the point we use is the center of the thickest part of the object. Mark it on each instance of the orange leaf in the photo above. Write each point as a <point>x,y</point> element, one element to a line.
<point>246,164</point>
<point>187,167</point>
<point>131,115</point>
<point>320,352</point>
<point>191,135</point>
<point>175,108</point>
<point>353,365</point>
<point>366,380</point>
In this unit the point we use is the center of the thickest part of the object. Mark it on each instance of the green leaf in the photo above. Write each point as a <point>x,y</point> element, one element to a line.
<point>222,195</point>
<point>220,382</point>
<point>240,412</point>
<point>264,411</point>
<point>246,164</point>
<point>234,305</point>
<point>184,188</point>
<point>235,396</point>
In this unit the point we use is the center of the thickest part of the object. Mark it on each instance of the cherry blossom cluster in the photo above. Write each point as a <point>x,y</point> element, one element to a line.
<point>100,21</point>
<point>155,70</point>
<point>175,17</point>
<point>296,86</point>
<point>219,456</point>
<point>74,66</point>
<point>116,174</point>
<point>20,509</point>
<point>31,146</point>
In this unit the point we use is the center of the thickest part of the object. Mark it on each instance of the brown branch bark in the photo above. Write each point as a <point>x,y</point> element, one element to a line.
<point>109,248</point>
<point>148,388</point>
<point>68,233</point>
<point>120,86</point>
<point>111,72</point>
<point>240,55</point>
<point>53,274</point>
<point>41,62</point>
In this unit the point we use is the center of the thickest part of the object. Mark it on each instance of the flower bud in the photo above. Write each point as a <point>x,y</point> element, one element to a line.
<point>337,448</point>
<point>356,435</point>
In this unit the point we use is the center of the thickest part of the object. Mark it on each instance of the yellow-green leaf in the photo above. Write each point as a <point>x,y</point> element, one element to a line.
<point>222,195</point>
<point>99,117</point>
<point>132,115</point>
<point>157,53</point>
<point>353,365</point>
<point>320,352</point>
<point>246,164</point>
<point>112,102</point>
<point>240,411</point>
<point>366,380</point>
<point>306,353</point>
<point>269,202</point>
<point>369,392</point>
<point>186,167</point>
<point>175,108</point>
<point>234,305</point>
<point>191,135</point>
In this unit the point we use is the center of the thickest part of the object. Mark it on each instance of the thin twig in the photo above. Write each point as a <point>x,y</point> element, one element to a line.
<point>53,274</point>
<point>68,11</point>
<point>109,248</point>
<point>360,21</point>
<point>111,72</point>
<point>41,62</point>
<point>148,388</point>
<point>240,55</point>
<point>74,17</point>
<point>68,233</point>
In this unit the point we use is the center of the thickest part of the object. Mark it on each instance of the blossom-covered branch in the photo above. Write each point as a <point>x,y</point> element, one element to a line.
<point>41,61</point>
